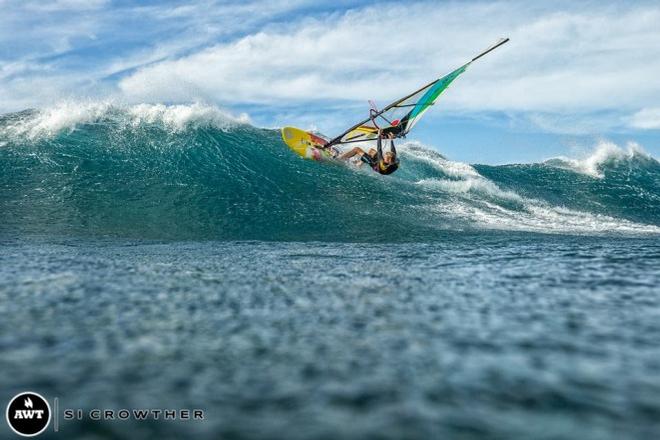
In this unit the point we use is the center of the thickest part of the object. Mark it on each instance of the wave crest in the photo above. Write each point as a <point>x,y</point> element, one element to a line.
<point>604,153</point>
<point>67,115</point>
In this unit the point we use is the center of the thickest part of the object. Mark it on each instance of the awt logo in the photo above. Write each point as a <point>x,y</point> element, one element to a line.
<point>28,414</point>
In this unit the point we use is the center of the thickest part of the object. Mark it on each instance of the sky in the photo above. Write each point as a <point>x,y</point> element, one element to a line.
<point>574,73</point>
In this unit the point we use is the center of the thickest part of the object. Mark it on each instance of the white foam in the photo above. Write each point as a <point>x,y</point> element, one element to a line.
<point>532,215</point>
<point>470,185</point>
<point>67,115</point>
<point>178,117</point>
<point>604,151</point>
<point>466,179</point>
<point>419,152</point>
<point>50,121</point>
<point>540,217</point>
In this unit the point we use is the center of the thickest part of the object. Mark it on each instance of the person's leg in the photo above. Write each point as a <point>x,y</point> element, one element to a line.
<point>351,153</point>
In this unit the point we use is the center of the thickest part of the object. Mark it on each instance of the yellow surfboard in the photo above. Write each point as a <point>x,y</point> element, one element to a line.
<point>306,144</point>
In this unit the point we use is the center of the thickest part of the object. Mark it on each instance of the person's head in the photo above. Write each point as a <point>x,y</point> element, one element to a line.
<point>389,157</point>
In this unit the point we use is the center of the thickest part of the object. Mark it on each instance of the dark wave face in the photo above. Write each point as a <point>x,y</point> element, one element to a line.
<point>625,187</point>
<point>192,172</point>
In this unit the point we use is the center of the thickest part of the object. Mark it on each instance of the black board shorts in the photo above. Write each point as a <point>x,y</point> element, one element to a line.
<point>368,160</point>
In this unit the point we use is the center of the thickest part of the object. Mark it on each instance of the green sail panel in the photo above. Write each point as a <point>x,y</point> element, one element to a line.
<point>430,96</point>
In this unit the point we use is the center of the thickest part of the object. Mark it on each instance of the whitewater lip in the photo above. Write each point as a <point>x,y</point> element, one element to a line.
<point>196,172</point>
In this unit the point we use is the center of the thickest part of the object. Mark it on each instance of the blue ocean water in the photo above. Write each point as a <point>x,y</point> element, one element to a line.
<point>155,256</point>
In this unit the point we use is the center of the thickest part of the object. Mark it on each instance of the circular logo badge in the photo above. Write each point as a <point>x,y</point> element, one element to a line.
<point>28,414</point>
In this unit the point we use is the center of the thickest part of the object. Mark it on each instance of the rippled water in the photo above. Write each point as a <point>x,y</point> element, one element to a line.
<point>476,335</point>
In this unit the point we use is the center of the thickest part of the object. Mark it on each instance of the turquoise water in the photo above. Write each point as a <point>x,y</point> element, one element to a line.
<point>172,257</point>
<point>185,174</point>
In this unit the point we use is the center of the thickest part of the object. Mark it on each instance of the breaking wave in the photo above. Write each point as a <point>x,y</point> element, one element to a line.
<point>196,172</point>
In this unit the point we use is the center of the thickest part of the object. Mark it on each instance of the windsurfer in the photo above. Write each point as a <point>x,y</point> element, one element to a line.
<point>382,162</point>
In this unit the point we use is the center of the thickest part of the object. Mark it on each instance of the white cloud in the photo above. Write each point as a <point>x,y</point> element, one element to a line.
<point>574,60</point>
<point>564,59</point>
<point>647,118</point>
<point>71,47</point>
<point>65,5</point>
<point>574,123</point>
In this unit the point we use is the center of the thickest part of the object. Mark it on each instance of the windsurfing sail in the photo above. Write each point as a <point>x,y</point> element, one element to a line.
<point>401,116</point>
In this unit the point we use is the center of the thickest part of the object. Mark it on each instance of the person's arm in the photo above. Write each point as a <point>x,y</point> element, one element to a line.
<point>379,149</point>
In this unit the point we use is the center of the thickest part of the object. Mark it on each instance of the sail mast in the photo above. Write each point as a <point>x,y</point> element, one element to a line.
<point>375,114</point>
